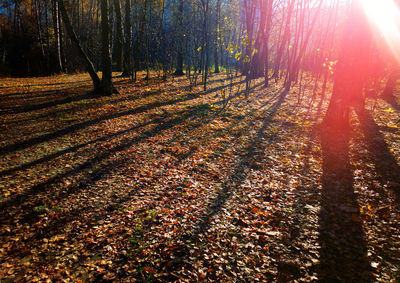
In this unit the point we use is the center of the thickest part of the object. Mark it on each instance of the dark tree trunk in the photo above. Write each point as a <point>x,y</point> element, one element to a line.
<point>217,36</point>
<point>128,40</point>
<point>266,45</point>
<point>285,39</point>
<point>387,93</point>
<point>350,70</point>
<point>39,26</point>
<point>250,10</point>
<point>205,4</point>
<point>119,40</point>
<point>179,53</point>
<point>74,39</point>
<point>106,80</point>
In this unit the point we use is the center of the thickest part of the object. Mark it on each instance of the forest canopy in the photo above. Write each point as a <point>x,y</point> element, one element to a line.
<point>256,36</point>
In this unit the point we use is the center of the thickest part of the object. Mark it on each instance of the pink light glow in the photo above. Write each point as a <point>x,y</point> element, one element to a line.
<point>385,16</point>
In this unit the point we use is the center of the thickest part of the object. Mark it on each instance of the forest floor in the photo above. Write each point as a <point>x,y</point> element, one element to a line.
<point>163,183</point>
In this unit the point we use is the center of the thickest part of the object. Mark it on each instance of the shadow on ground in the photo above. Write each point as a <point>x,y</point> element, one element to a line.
<point>385,163</point>
<point>343,248</point>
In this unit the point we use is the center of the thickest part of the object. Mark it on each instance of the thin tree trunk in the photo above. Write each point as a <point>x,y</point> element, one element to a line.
<point>285,39</point>
<point>217,36</point>
<point>60,35</point>
<point>39,26</point>
<point>205,36</point>
<point>179,55</point>
<point>266,45</point>
<point>249,15</point>
<point>128,40</point>
<point>119,39</point>
<point>56,23</point>
<point>74,39</point>
<point>387,93</point>
<point>106,80</point>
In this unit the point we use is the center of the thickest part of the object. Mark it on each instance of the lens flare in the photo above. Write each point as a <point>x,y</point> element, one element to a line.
<point>385,16</point>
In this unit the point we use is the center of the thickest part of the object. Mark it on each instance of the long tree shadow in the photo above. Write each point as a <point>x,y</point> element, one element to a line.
<point>228,188</point>
<point>385,163</point>
<point>96,173</point>
<point>343,248</point>
<point>56,227</point>
<point>48,104</point>
<point>161,125</point>
<point>40,93</point>
<point>172,90</point>
<point>74,148</point>
<point>239,174</point>
<point>79,126</point>
<point>127,98</point>
<point>391,99</point>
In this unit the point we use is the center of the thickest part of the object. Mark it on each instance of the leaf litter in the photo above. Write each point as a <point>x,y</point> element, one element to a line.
<point>163,182</point>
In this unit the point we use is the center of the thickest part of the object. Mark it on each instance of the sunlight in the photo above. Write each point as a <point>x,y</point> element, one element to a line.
<point>385,15</point>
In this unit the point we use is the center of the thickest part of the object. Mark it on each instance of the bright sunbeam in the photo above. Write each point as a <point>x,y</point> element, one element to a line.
<point>385,15</point>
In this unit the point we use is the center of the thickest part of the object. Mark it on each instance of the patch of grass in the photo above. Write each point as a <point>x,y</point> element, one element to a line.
<point>73,104</point>
<point>146,277</point>
<point>41,208</point>
<point>68,119</point>
<point>232,232</point>
<point>118,207</point>
<point>47,209</point>
<point>136,240</point>
<point>151,214</point>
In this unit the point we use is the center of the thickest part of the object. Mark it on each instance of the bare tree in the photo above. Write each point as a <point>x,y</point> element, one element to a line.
<point>74,39</point>
<point>119,40</point>
<point>106,80</point>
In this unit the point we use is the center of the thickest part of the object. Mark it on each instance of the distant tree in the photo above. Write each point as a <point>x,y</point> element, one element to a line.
<point>250,10</point>
<point>58,38</point>
<point>217,35</point>
<point>119,38</point>
<point>106,80</point>
<point>284,39</point>
<point>179,51</point>
<point>205,49</point>
<point>128,40</point>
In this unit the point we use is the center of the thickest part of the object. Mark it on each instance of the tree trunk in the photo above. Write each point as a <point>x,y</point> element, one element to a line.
<point>39,26</point>
<point>350,70</point>
<point>128,40</point>
<point>119,39</point>
<point>62,41</point>
<point>217,36</point>
<point>179,55</point>
<point>56,23</point>
<point>205,4</point>
<point>250,11</point>
<point>266,45</point>
<point>387,93</point>
<point>74,39</point>
<point>285,39</point>
<point>106,80</point>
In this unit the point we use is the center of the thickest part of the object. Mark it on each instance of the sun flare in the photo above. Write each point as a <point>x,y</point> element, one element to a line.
<point>385,16</point>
